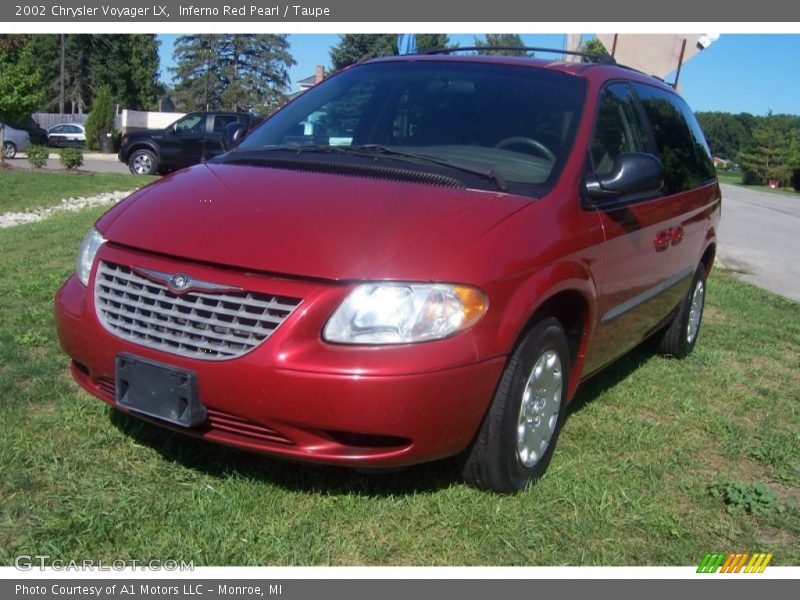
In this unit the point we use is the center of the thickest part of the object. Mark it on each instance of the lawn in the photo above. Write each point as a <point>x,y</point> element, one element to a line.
<point>23,189</point>
<point>660,461</point>
<point>736,179</point>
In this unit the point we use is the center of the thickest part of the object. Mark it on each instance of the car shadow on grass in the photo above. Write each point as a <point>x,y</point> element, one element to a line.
<point>223,462</point>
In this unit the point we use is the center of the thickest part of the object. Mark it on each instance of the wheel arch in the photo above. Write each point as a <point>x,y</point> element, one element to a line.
<point>565,292</point>
<point>143,145</point>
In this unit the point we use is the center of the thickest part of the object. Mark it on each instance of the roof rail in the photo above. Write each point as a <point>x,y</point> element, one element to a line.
<point>592,56</point>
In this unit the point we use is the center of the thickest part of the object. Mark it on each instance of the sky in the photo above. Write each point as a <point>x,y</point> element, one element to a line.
<point>754,73</point>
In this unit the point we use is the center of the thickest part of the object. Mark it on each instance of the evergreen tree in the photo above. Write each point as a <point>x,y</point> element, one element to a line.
<point>101,120</point>
<point>764,159</point>
<point>432,41</point>
<point>127,63</point>
<point>502,40</point>
<point>594,46</point>
<point>231,71</point>
<point>355,47</point>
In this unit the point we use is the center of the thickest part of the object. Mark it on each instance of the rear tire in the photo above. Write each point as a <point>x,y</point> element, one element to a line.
<point>143,162</point>
<point>9,150</point>
<point>680,336</point>
<point>518,435</point>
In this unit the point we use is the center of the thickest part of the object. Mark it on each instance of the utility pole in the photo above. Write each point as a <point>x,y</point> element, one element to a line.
<point>61,83</point>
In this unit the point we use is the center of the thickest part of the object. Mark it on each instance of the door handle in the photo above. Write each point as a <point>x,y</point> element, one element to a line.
<point>668,237</point>
<point>676,234</point>
<point>662,240</point>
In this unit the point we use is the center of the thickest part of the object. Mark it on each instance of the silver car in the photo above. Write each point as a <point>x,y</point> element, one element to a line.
<point>67,134</point>
<point>14,140</point>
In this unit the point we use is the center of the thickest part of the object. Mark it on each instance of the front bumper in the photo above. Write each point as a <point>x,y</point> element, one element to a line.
<point>298,397</point>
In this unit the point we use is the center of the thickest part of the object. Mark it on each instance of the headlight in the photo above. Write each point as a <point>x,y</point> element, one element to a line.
<point>404,313</point>
<point>89,247</point>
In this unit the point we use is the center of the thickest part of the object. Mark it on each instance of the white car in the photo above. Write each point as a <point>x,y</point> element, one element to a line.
<point>14,140</point>
<point>67,134</point>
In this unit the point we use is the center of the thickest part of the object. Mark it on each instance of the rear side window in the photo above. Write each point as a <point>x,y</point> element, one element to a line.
<point>222,121</point>
<point>680,142</point>
<point>618,129</point>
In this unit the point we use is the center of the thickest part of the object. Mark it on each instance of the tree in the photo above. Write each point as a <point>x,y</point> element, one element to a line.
<point>503,40</point>
<point>727,134</point>
<point>355,47</point>
<point>594,46</point>
<point>20,83</point>
<point>765,158</point>
<point>101,120</point>
<point>255,71</point>
<point>127,63</point>
<point>231,71</point>
<point>432,41</point>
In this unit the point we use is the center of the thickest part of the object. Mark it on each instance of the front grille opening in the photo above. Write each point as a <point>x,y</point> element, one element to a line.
<point>211,326</point>
<point>367,440</point>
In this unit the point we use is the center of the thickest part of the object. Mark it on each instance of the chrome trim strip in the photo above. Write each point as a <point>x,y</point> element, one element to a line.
<point>195,284</point>
<point>646,295</point>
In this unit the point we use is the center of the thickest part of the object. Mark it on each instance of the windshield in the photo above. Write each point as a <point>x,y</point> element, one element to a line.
<point>514,123</point>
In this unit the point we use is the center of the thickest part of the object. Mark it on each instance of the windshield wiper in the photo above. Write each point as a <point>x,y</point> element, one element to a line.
<point>372,149</point>
<point>376,150</point>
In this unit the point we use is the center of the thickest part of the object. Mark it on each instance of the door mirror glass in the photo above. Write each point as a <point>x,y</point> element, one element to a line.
<point>234,133</point>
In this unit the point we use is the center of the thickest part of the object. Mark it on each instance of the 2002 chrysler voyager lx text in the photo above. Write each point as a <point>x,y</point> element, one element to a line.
<point>420,257</point>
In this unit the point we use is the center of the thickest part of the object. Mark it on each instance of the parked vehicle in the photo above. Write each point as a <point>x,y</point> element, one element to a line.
<point>67,134</point>
<point>195,137</point>
<point>14,140</point>
<point>417,258</point>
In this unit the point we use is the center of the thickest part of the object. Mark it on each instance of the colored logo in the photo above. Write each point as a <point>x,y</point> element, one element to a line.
<point>738,562</point>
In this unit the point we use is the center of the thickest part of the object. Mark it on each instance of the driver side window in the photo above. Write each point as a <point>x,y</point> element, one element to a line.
<point>619,128</point>
<point>193,124</point>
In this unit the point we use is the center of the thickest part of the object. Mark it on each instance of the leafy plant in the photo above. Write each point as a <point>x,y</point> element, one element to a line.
<point>71,158</point>
<point>755,498</point>
<point>37,156</point>
<point>101,120</point>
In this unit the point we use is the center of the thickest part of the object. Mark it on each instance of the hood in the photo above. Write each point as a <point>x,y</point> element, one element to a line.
<point>306,224</point>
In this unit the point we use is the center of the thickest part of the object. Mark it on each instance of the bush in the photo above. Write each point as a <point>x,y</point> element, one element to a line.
<point>37,156</point>
<point>71,158</point>
<point>101,119</point>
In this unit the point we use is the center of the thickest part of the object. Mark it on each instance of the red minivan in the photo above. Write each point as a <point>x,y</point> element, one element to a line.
<point>420,257</point>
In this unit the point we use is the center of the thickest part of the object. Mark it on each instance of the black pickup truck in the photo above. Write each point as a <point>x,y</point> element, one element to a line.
<point>189,140</point>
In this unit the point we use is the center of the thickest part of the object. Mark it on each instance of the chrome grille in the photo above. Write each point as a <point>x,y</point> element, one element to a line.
<point>211,326</point>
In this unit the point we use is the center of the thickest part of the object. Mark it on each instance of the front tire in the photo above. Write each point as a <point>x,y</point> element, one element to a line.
<point>9,150</point>
<point>680,336</point>
<point>143,162</point>
<point>518,435</point>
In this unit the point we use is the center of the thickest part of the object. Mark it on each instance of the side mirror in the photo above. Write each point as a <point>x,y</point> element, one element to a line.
<point>234,132</point>
<point>632,173</point>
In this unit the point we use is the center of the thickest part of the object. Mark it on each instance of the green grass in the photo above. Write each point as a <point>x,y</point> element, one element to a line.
<point>660,461</point>
<point>25,190</point>
<point>736,179</point>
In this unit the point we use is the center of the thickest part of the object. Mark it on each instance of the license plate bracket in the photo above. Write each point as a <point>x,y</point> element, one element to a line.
<point>158,390</point>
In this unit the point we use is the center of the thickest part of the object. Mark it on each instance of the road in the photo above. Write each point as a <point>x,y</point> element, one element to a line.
<point>759,238</point>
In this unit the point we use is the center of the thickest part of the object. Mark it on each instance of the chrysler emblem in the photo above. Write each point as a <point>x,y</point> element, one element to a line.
<point>180,281</point>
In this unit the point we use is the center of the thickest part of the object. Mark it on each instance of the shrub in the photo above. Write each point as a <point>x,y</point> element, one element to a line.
<point>71,158</point>
<point>101,119</point>
<point>37,156</point>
